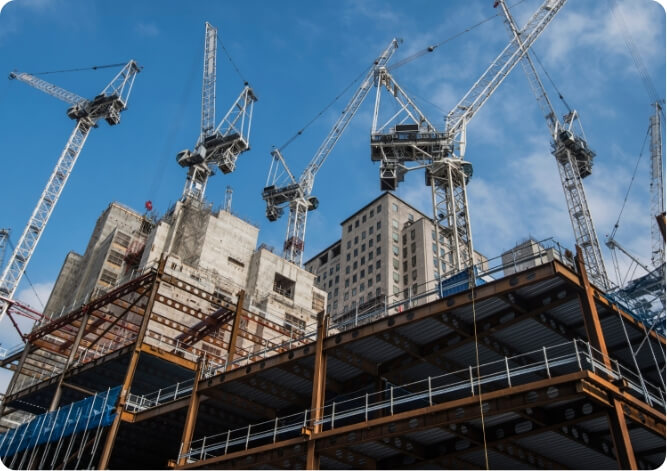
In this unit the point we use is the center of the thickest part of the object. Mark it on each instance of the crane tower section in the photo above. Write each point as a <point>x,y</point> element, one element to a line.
<point>283,190</point>
<point>217,146</point>
<point>657,189</point>
<point>574,160</point>
<point>107,105</point>
<point>406,141</point>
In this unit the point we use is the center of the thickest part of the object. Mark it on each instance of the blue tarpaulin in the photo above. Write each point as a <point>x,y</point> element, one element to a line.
<point>458,283</point>
<point>92,412</point>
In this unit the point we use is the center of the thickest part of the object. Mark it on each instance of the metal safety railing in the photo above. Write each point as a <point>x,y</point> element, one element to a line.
<point>528,367</point>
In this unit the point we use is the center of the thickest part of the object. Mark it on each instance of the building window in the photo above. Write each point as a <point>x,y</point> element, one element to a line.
<point>347,257</point>
<point>356,240</point>
<point>354,265</point>
<point>363,260</point>
<point>370,255</point>
<point>413,247</point>
<point>378,291</point>
<point>412,234</point>
<point>122,239</point>
<point>115,258</point>
<point>294,323</point>
<point>354,291</point>
<point>377,264</point>
<point>356,223</point>
<point>349,244</point>
<point>395,263</point>
<point>356,252</point>
<point>361,299</point>
<point>394,236</point>
<point>405,239</point>
<point>347,282</point>
<point>354,278</point>
<point>362,286</point>
<point>370,269</point>
<point>396,289</point>
<point>394,207</point>
<point>363,247</point>
<point>362,273</point>
<point>394,223</point>
<point>347,270</point>
<point>349,228</point>
<point>338,267</point>
<point>336,293</point>
<point>330,283</point>
<point>370,243</point>
<point>396,277</point>
<point>370,283</point>
<point>414,261</point>
<point>378,238</point>
<point>405,280</point>
<point>410,217</point>
<point>335,305</point>
<point>372,213</point>
<point>337,279</point>
<point>108,277</point>
<point>405,265</point>
<point>378,278</point>
<point>363,218</point>
<point>405,252</point>
<point>395,249</point>
<point>284,286</point>
<point>379,208</point>
<point>346,296</point>
<point>378,225</point>
<point>331,270</point>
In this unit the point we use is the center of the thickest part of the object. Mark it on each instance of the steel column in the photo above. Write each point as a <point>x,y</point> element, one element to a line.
<point>319,385</point>
<point>75,346</point>
<point>231,352</point>
<point>191,417</point>
<point>131,369</point>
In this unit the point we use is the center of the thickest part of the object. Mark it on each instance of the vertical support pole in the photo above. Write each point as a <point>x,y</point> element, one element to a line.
<point>576,352</point>
<point>191,416</point>
<point>275,429</point>
<point>619,430</point>
<point>333,414</point>
<point>546,361</point>
<point>472,381</point>
<point>391,400</point>
<point>131,369</point>
<point>231,351</point>
<point>507,368</point>
<point>75,347</point>
<point>366,409</point>
<point>229,433</point>
<point>430,394</point>
<point>319,385</point>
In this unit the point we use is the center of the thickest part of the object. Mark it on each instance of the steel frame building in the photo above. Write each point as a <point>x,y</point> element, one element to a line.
<point>533,370</point>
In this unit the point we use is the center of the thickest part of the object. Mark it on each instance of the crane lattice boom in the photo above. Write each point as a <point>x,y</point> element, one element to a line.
<point>216,146</point>
<point>657,189</point>
<point>107,105</point>
<point>297,194</point>
<point>575,161</point>
<point>408,138</point>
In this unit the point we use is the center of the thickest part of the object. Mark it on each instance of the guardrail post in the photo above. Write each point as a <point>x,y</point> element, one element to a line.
<point>203,445</point>
<point>333,413</point>
<point>391,399</point>
<point>430,397</point>
<point>546,361</point>
<point>157,399</point>
<point>507,367</point>
<point>366,409</point>
<point>176,391</point>
<point>472,384</point>
<point>229,433</point>
<point>590,357</point>
<point>247,437</point>
<point>576,352</point>
<point>275,430</point>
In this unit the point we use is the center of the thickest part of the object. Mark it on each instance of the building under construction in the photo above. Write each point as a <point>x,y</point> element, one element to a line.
<point>529,366</point>
<point>183,343</point>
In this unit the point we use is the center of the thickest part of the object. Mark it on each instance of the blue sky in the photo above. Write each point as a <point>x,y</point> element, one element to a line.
<point>298,56</point>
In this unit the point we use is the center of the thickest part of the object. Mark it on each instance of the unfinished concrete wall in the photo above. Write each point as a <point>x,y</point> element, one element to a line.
<point>65,285</point>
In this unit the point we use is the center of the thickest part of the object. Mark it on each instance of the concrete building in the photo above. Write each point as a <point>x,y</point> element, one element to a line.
<point>387,250</point>
<point>527,254</point>
<point>215,251</point>
<point>119,234</point>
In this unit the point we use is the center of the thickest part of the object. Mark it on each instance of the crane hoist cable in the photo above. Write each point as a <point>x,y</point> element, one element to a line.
<point>627,193</point>
<point>433,47</point>
<point>238,71</point>
<point>331,103</point>
<point>553,84</point>
<point>78,69</point>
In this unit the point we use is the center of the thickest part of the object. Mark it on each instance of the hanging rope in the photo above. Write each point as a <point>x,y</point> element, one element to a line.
<point>78,69</point>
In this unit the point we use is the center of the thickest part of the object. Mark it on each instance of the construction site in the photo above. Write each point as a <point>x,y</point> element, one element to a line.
<point>182,341</point>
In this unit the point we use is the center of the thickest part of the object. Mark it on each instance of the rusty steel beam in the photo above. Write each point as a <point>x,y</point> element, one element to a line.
<point>191,416</point>
<point>318,391</point>
<point>236,324</point>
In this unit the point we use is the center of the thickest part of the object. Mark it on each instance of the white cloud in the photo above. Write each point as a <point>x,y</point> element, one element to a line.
<point>36,298</point>
<point>149,30</point>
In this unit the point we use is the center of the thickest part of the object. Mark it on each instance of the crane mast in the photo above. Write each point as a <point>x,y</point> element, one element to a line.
<point>657,189</point>
<point>574,160</point>
<point>107,105</point>
<point>297,194</point>
<point>417,145</point>
<point>216,146</point>
<point>4,241</point>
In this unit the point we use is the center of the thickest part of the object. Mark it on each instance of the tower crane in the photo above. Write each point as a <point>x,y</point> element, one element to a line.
<point>408,141</point>
<point>575,162</point>
<point>4,239</point>
<point>657,191</point>
<point>107,105</point>
<point>216,146</point>
<point>283,189</point>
